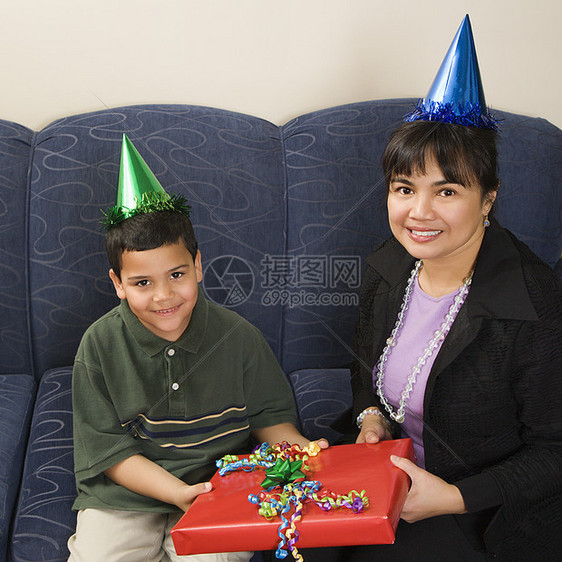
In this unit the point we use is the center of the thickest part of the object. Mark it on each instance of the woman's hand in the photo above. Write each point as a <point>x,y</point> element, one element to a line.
<point>373,430</point>
<point>429,495</point>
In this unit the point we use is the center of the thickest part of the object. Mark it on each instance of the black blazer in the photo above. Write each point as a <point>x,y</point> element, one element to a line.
<point>493,400</point>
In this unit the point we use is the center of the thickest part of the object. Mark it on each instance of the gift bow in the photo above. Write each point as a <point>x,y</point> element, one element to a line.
<point>282,472</point>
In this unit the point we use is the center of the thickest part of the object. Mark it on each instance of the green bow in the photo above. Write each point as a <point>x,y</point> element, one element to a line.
<point>283,472</point>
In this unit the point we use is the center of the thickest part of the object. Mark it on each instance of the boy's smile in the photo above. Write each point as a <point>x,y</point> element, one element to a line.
<point>160,286</point>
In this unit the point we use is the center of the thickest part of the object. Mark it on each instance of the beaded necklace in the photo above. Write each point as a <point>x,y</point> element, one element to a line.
<point>438,336</point>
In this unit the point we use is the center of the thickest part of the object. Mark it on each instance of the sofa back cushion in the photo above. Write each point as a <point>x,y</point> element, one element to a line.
<point>285,217</point>
<point>337,213</point>
<point>529,200</point>
<point>337,216</point>
<point>15,150</point>
<point>227,165</point>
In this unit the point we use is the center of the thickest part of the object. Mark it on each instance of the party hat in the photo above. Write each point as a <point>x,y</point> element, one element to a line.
<point>139,191</point>
<point>456,95</point>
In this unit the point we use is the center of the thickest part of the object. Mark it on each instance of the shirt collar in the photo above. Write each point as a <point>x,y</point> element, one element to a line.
<point>152,344</point>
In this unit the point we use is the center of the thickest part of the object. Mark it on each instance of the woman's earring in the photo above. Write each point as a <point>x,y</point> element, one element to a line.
<point>486,222</point>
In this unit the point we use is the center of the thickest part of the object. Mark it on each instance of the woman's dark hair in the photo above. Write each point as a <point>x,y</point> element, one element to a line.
<point>147,232</point>
<point>466,155</point>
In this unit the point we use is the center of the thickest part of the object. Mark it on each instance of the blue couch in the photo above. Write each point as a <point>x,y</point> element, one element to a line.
<point>285,217</point>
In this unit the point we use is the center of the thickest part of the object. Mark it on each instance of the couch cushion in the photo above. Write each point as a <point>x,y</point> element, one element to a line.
<point>322,395</point>
<point>337,216</point>
<point>17,394</point>
<point>337,213</point>
<point>15,150</point>
<point>223,162</point>
<point>44,519</point>
<point>530,198</point>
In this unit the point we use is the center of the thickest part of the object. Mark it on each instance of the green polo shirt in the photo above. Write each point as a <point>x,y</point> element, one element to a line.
<point>181,404</point>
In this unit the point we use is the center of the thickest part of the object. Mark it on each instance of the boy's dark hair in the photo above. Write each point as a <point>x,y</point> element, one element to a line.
<point>147,232</point>
<point>466,155</point>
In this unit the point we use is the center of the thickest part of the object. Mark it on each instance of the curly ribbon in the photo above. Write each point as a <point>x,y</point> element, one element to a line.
<point>292,535</point>
<point>281,552</point>
<point>295,494</point>
<point>355,501</point>
<point>228,465</point>
<point>268,457</point>
<point>295,452</point>
<point>263,458</point>
<point>284,463</point>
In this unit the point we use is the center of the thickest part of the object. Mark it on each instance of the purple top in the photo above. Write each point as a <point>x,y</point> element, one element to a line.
<point>422,319</point>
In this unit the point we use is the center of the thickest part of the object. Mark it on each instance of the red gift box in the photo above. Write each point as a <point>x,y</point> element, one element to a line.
<point>223,520</point>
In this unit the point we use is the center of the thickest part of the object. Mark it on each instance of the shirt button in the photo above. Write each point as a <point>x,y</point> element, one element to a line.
<point>175,386</point>
<point>171,352</point>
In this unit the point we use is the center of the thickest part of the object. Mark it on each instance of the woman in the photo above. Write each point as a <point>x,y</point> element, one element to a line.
<point>457,308</point>
<point>459,344</point>
<point>485,407</point>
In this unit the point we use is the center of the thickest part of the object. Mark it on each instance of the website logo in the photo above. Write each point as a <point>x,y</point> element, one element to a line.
<point>228,280</point>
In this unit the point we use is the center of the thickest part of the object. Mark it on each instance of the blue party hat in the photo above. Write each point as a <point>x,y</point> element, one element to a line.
<point>456,95</point>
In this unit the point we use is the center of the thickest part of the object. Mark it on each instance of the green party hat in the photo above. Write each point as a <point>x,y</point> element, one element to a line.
<point>139,191</point>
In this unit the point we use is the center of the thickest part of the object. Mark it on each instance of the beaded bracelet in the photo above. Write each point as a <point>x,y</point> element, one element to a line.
<point>371,412</point>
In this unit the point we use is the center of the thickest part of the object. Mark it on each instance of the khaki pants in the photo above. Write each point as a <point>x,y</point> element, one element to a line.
<point>106,535</point>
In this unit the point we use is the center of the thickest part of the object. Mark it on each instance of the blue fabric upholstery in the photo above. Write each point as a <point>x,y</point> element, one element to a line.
<point>326,204</point>
<point>285,217</point>
<point>336,208</point>
<point>222,162</point>
<point>44,518</point>
<point>322,395</point>
<point>15,153</point>
<point>17,393</point>
<point>530,198</point>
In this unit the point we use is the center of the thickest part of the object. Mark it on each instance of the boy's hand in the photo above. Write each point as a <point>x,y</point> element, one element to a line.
<point>145,477</point>
<point>322,443</point>
<point>186,494</point>
<point>286,432</point>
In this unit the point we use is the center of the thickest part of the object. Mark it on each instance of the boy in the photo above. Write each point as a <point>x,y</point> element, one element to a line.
<point>163,385</point>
